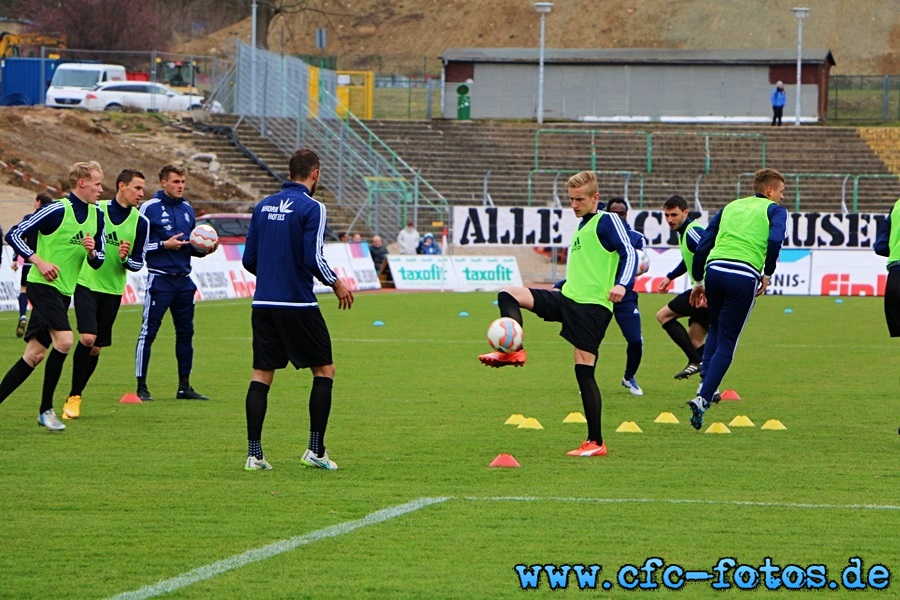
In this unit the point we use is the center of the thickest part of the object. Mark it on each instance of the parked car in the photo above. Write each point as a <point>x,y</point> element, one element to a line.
<point>231,227</point>
<point>143,95</point>
<point>72,81</point>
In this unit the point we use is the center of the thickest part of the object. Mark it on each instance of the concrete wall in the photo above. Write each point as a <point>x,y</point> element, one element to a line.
<point>629,92</point>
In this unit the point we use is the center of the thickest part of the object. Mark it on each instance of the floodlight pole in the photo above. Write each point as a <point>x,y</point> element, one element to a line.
<point>253,58</point>
<point>800,14</point>
<point>543,8</point>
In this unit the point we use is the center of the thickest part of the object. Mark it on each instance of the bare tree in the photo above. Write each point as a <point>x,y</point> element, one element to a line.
<point>100,24</point>
<point>268,10</point>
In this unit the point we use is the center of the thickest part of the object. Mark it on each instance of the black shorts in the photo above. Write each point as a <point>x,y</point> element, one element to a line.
<point>49,310</point>
<point>892,302</point>
<point>583,325</point>
<point>681,306</point>
<point>95,313</point>
<point>25,268</point>
<point>296,335</point>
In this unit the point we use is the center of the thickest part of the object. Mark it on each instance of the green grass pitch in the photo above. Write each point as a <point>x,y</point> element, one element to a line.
<point>131,497</point>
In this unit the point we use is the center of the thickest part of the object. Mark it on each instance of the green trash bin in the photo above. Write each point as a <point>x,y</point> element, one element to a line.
<point>463,103</point>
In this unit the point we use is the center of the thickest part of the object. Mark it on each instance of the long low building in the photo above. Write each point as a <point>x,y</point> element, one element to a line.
<point>632,84</point>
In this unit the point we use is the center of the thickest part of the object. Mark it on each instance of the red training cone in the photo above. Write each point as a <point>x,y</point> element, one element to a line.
<point>730,395</point>
<point>130,398</point>
<point>504,460</point>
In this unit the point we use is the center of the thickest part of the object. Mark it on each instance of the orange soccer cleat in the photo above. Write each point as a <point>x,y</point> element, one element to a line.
<point>503,359</point>
<point>589,448</point>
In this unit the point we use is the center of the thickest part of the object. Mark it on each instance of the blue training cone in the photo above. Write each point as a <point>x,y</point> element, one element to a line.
<point>378,323</point>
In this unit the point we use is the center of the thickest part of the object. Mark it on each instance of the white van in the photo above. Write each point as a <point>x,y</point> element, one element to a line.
<point>72,81</point>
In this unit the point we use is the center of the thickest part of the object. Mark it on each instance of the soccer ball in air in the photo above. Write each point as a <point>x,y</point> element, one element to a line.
<point>505,335</point>
<point>204,238</point>
<point>643,262</point>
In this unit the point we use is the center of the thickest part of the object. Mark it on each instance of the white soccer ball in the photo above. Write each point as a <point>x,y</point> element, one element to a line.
<point>505,335</point>
<point>204,238</point>
<point>643,262</point>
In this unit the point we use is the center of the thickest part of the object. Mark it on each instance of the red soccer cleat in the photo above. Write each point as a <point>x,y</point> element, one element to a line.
<point>503,359</point>
<point>589,448</point>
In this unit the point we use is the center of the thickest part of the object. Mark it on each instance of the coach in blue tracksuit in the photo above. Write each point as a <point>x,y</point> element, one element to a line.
<point>169,285</point>
<point>626,312</point>
<point>733,264</point>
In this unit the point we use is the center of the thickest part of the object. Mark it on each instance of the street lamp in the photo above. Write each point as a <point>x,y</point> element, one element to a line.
<point>543,8</point>
<point>800,13</point>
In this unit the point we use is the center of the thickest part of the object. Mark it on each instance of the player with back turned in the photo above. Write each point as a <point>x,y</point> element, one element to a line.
<point>284,249</point>
<point>733,264</point>
<point>887,243</point>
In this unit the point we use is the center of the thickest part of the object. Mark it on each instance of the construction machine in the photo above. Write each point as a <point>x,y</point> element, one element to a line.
<point>29,44</point>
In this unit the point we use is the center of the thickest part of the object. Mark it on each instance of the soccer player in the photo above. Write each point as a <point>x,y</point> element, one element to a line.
<point>626,312</point>
<point>68,231</point>
<point>284,249</point>
<point>169,285</point>
<point>733,264</point>
<point>98,294</point>
<point>41,199</point>
<point>690,340</point>
<point>887,243</point>
<point>600,268</point>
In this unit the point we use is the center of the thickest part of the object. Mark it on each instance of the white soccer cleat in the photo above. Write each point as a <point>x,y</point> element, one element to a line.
<point>257,464</point>
<point>318,462</point>
<point>632,386</point>
<point>49,420</point>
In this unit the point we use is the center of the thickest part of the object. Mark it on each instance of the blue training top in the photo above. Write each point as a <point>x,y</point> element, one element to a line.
<point>284,249</point>
<point>168,216</point>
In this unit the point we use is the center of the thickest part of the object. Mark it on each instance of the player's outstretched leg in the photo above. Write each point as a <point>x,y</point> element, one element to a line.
<point>509,307</point>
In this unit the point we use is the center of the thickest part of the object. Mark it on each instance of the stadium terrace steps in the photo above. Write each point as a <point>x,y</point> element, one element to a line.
<point>258,181</point>
<point>678,164</point>
<point>455,156</point>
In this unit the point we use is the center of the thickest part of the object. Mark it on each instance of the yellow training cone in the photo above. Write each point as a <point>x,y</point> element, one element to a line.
<point>666,417</point>
<point>530,423</point>
<point>629,427</point>
<point>773,424</point>
<point>575,417</point>
<point>718,428</point>
<point>514,420</point>
<point>741,421</point>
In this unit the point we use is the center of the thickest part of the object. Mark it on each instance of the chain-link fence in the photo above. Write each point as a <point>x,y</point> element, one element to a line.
<point>294,104</point>
<point>864,98</point>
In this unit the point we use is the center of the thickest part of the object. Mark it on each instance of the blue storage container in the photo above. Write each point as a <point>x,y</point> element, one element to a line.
<point>24,81</point>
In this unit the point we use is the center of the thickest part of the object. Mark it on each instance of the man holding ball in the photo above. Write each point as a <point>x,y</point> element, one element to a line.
<point>169,285</point>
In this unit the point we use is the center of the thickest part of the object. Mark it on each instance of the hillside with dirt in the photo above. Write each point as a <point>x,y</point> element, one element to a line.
<point>405,36</point>
<point>42,143</point>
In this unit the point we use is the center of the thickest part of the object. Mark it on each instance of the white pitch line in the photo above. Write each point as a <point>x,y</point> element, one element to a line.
<point>274,549</point>
<point>687,501</point>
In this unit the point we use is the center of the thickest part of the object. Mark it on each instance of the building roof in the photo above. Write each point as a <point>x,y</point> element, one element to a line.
<point>634,56</point>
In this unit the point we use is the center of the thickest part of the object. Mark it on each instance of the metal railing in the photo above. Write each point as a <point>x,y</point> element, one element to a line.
<point>293,104</point>
<point>626,185</point>
<point>864,98</point>
<point>797,179</point>
<point>857,178</point>
<point>707,152</point>
<point>592,148</point>
<point>648,143</point>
